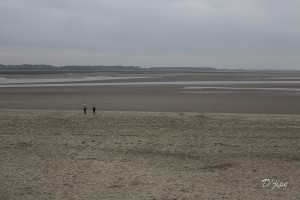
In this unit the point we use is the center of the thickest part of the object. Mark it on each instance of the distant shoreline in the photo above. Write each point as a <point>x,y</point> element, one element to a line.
<point>33,72</point>
<point>49,69</point>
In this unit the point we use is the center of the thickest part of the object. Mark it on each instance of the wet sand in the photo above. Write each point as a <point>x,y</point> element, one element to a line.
<point>48,154</point>
<point>158,95</point>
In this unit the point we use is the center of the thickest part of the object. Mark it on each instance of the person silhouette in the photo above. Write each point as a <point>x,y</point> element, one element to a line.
<point>84,106</point>
<point>94,110</point>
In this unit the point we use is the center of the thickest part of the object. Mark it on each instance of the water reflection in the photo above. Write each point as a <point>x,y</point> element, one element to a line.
<point>49,83</point>
<point>239,89</point>
<point>59,80</point>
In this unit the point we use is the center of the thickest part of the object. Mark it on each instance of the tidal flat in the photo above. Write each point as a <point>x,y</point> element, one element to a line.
<point>154,141</point>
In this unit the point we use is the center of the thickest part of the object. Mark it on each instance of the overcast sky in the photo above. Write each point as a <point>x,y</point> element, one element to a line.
<point>257,34</point>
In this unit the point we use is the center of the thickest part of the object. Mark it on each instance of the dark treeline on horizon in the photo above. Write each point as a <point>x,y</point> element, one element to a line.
<point>36,67</point>
<point>42,67</point>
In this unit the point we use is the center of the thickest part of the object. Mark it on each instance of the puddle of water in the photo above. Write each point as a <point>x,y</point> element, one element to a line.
<point>59,80</point>
<point>243,88</point>
<point>51,84</point>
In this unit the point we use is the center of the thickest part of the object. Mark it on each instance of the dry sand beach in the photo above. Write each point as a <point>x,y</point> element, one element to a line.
<point>151,142</point>
<point>147,155</point>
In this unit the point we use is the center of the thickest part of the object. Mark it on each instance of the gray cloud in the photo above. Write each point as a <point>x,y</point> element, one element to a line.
<point>214,33</point>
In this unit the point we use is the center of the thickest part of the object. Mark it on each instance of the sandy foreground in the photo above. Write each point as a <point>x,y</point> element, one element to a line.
<point>148,155</point>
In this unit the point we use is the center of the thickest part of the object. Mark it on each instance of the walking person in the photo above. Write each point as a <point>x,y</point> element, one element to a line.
<point>94,110</point>
<point>84,106</point>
